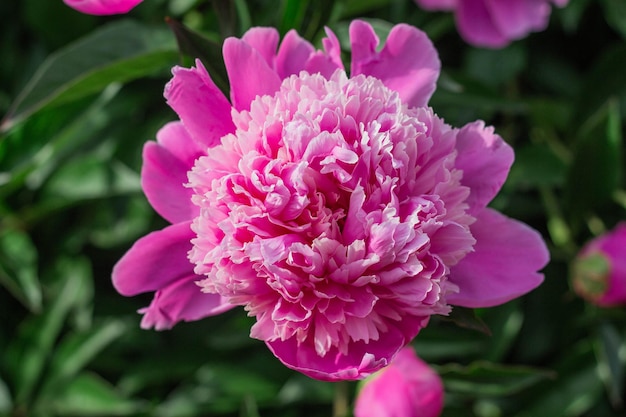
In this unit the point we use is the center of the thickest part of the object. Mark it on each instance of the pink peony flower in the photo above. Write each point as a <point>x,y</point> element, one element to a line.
<point>599,270</point>
<point>408,387</point>
<point>102,7</point>
<point>495,23</point>
<point>339,211</point>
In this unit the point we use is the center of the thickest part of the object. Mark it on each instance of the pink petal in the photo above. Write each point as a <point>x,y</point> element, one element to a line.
<point>476,25</point>
<point>201,106</point>
<point>362,360</point>
<point>485,160</point>
<point>292,54</point>
<point>164,173</point>
<point>155,261</point>
<point>248,73</point>
<point>408,63</point>
<point>265,41</point>
<point>504,266</point>
<point>182,300</point>
<point>102,7</point>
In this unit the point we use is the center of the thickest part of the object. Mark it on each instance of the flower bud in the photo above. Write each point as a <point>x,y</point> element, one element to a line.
<point>408,387</point>
<point>599,270</point>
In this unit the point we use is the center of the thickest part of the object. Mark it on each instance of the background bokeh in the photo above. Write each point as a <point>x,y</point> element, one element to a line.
<point>81,94</point>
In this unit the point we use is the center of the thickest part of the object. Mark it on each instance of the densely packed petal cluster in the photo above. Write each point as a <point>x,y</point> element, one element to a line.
<point>408,387</point>
<point>495,23</point>
<point>102,7</point>
<point>599,270</point>
<point>339,211</point>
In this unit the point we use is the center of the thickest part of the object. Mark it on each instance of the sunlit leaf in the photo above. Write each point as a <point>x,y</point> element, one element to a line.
<point>487,378</point>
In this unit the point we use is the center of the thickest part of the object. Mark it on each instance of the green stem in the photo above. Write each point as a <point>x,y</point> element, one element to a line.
<point>341,401</point>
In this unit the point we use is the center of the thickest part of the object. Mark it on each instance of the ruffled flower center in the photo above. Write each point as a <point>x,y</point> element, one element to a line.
<point>332,213</point>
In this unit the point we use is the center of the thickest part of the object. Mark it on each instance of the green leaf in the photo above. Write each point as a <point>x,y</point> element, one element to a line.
<point>76,350</point>
<point>18,268</point>
<point>537,165</point>
<point>595,173</point>
<point>615,15</point>
<point>494,67</point>
<point>118,52</point>
<point>28,353</point>
<point>491,379</point>
<point>90,395</point>
<point>608,347</point>
<point>575,391</point>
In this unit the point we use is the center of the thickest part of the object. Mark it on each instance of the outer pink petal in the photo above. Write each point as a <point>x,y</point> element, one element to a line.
<point>292,54</point>
<point>248,73</point>
<point>164,173</point>
<point>504,266</point>
<point>328,61</point>
<point>485,160</point>
<point>476,25</point>
<point>182,300</point>
<point>445,5</point>
<point>516,18</point>
<point>201,106</point>
<point>408,63</point>
<point>362,360</point>
<point>102,7</point>
<point>155,261</point>
<point>265,41</point>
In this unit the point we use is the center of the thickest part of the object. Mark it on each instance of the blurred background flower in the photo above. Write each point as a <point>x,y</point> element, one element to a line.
<point>495,23</point>
<point>599,270</point>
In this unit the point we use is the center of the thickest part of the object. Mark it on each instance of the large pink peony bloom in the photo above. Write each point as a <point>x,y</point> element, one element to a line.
<point>102,7</point>
<point>495,23</point>
<point>408,387</point>
<point>599,270</point>
<point>340,212</point>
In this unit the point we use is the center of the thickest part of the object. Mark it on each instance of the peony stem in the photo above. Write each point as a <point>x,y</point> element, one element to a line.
<point>340,402</point>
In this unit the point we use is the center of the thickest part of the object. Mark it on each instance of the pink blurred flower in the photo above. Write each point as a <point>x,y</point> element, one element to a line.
<point>340,212</point>
<point>103,7</point>
<point>599,270</point>
<point>495,23</point>
<point>408,387</point>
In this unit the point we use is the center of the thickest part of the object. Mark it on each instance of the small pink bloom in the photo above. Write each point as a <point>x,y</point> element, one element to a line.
<point>102,7</point>
<point>339,211</point>
<point>495,23</point>
<point>408,387</point>
<point>599,270</point>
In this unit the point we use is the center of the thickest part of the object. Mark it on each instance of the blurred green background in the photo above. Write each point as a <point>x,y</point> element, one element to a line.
<point>81,95</point>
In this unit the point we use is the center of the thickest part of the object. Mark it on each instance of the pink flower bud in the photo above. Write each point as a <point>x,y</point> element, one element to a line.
<point>599,271</point>
<point>406,388</point>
